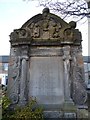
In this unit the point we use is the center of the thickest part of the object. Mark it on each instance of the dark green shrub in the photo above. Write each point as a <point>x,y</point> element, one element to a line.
<point>5,106</point>
<point>29,112</point>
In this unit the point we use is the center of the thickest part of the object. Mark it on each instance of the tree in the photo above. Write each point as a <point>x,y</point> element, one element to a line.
<point>67,8</point>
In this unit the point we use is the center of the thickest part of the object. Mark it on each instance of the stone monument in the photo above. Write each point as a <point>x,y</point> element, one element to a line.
<point>46,63</point>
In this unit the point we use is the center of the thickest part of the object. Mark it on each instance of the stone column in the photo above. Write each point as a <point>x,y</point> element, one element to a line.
<point>67,82</point>
<point>23,81</point>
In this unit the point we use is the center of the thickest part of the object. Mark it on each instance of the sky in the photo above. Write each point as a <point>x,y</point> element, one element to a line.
<point>14,13</point>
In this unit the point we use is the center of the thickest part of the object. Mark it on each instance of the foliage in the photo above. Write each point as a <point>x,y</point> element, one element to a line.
<point>28,112</point>
<point>5,102</point>
<point>5,105</point>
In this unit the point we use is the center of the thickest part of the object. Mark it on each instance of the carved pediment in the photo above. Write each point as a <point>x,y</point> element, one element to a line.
<point>46,27</point>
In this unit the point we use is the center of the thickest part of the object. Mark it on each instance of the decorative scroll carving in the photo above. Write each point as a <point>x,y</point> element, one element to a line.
<point>15,68</point>
<point>14,98</point>
<point>18,75</point>
<point>14,77</point>
<point>77,37</point>
<point>79,93</point>
<point>78,83</point>
<point>68,35</point>
<point>19,36</point>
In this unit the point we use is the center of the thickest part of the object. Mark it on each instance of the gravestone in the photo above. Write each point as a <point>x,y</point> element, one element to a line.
<point>46,63</point>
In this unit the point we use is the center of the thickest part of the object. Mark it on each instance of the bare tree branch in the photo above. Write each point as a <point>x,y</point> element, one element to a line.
<point>67,8</point>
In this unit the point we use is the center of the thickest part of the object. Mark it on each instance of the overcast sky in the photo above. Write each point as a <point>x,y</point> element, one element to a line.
<point>14,13</point>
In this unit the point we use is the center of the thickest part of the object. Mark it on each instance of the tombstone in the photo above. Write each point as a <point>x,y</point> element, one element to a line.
<point>46,63</point>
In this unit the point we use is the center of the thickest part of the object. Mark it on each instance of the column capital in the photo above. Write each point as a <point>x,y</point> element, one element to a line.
<point>24,57</point>
<point>66,51</point>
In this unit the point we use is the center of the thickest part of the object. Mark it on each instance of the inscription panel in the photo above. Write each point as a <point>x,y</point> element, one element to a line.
<point>46,80</point>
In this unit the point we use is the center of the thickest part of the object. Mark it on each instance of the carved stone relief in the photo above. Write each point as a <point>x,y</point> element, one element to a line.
<point>14,77</point>
<point>68,34</point>
<point>14,98</point>
<point>36,30</point>
<point>15,67</point>
<point>18,75</point>
<point>46,27</point>
<point>54,29</point>
<point>78,83</point>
